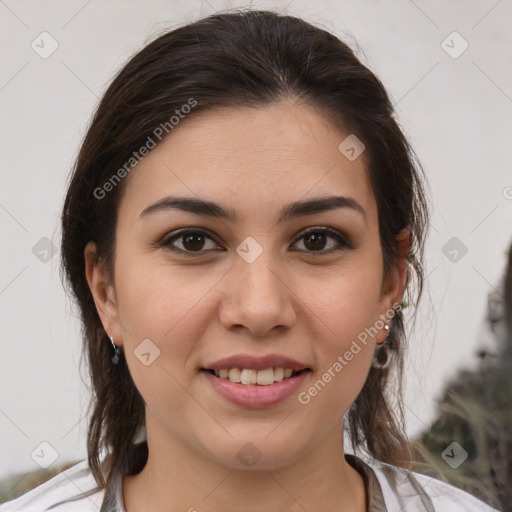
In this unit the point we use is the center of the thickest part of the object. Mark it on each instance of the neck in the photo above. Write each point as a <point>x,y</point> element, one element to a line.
<point>177,477</point>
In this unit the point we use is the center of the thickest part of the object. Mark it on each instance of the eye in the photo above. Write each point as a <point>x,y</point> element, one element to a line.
<point>315,240</point>
<point>191,241</point>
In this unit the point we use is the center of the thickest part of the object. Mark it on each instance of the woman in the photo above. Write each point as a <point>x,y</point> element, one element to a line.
<point>238,232</point>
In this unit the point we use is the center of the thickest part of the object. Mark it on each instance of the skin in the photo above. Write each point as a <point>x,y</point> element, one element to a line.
<point>305,304</point>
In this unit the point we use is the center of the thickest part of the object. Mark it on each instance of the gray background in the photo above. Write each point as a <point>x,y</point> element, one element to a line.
<point>455,111</point>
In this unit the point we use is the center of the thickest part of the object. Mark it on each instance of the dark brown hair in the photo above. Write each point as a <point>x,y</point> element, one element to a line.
<point>242,58</point>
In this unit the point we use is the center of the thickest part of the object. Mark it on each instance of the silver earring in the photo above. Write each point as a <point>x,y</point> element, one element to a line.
<point>117,352</point>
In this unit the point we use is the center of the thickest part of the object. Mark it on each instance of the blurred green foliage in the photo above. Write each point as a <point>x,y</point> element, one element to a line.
<point>476,412</point>
<point>17,484</point>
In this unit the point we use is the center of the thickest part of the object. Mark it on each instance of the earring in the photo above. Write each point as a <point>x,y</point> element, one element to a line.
<point>382,355</point>
<point>117,352</point>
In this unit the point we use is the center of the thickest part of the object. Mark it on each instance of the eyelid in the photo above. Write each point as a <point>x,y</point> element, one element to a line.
<point>343,241</point>
<point>165,242</point>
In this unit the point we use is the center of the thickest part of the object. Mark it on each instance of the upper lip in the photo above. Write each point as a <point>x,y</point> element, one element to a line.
<point>256,362</point>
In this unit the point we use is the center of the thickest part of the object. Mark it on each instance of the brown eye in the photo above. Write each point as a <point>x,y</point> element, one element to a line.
<point>195,242</point>
<point>191,241</point>
<point>316,240</point>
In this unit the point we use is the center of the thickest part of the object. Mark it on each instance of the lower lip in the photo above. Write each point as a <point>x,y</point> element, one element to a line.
<point>256,396</point>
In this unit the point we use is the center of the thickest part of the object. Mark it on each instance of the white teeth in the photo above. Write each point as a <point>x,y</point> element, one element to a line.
<point>251,377</point>
<point>234,374</point>
<point>248,376</point>
<point>265,377</point>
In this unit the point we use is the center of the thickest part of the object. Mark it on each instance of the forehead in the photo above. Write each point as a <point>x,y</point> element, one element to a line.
<point>250,157</point>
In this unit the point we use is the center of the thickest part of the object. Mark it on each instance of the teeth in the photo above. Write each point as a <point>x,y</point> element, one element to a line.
<point>234,375</point>
<point>265,377</point>
<point>278,374</point>
<point>251,377</point>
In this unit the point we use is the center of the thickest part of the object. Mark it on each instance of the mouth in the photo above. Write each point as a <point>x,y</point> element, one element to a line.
<point>253,377</point>
<point>255,389</point>
<point>256,381</point>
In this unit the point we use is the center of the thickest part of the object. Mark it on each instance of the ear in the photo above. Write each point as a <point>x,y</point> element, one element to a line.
<point>393,288</point>
<point>103,293</point>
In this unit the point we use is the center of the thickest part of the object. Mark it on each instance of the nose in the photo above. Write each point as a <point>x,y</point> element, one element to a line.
<point>258,297</point>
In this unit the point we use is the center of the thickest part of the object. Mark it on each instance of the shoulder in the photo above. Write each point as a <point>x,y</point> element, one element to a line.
<point>62,493</point>
<point>406,490</point>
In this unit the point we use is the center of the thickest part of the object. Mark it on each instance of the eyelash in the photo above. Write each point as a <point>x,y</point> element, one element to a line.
<point>343,241</point>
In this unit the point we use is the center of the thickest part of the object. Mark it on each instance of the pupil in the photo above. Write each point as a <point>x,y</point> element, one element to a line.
<point>318,241</point>
<point>314,241</point>
<point>193,242</point>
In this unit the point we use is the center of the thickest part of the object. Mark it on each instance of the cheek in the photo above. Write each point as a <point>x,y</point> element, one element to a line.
<point>163,305</point>
<point>346,310</point>
<point>170,306</point>
<point>346,301</point>
<point>156,297</point>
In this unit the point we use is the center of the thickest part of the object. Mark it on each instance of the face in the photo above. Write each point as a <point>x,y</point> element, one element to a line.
<point>293,291</point>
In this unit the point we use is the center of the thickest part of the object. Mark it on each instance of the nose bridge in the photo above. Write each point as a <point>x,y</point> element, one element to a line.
<point>258,295</point>
<point>258,279</point>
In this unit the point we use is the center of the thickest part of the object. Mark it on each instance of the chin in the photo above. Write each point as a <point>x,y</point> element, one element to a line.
<point>257,453</point>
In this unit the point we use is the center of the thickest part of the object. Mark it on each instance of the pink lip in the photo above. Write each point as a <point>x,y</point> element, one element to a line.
<point>256,363</point>
<point>255,396</point>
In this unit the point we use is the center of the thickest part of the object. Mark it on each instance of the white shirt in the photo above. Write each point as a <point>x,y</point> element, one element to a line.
<point>393,489</point>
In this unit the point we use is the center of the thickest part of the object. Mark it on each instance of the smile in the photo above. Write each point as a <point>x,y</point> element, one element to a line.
<point>253,388</point>
<point>255,377</point>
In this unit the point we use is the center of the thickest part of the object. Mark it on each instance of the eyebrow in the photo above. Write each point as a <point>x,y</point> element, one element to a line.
<point>291,211</point>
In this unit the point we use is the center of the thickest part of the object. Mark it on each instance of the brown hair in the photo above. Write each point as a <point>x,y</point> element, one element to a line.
<point>239,58</point>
